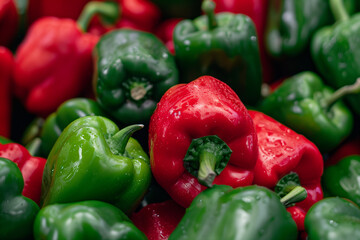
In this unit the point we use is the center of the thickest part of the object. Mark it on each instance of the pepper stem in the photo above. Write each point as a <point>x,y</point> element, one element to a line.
<point>121,138</point>
<point>341,92</point>
<point>297,194</point>
<point>108,12</point>
<point>338,10</point>
<point>206,158</point>
<point>208,7</point>
<point>206,173</point>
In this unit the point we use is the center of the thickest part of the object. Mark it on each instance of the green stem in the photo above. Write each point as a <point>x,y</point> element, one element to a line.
<point>338,10</point>
<point>206,173</point>
<point>121,138</point>
<point>108,11</point>
<point>208,7</point>
<point>206,157</point>
<point>341,92</point>
<point>298,194</point>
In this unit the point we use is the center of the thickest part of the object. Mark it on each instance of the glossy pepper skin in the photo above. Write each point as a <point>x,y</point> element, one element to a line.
<point>333,218</point>
<point>31,168</point>
<point>93,160</point>
<point>9,21</point>
<point>202,49</point>
<point>133,70</point>
<point>300,103</point>
<point>52,64</point>
<point>17,213</point>
<point>158,220</point>
<point>341,179</point>
<point>335,50</point>
<point>6,71</point>
<point>291,24</point>
<point>89,220</point>
<point>251,212</point>
<point>282,151</point>
<point>67,112</point>
<point>257,11</point>
<point>202,108</point>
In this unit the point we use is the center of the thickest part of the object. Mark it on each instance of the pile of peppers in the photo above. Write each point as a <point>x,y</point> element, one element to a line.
<point>183,119</point>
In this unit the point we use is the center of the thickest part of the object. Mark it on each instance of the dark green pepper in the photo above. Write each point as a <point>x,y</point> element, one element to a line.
<point>17,213</point>
<point>306,105</point>
<point>133,70</point>
<point>251,213</point>
<point>222,45</point>
<point>292,23</point>
<point>336,49</point>
<point>84,220</point>
<point>341,179</point>
<point>93,160</point>
<point>333,219</point>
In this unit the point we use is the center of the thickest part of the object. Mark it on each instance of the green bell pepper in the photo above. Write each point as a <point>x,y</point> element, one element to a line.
<point>67,112</point>
<point>341,179</point>
<point>306,105</point>
<point>251,212</point>
<point>84,220</point>
<point>222,45</point>
<point>17,213</point>
<point>292,23</point>
<point>133,70</point>
<point>93,160</point>
<point>333,219</point>
<point>335,50</point>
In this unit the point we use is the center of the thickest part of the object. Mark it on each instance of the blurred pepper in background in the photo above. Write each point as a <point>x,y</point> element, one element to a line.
<point>6,84</point>
<point>54,62</point>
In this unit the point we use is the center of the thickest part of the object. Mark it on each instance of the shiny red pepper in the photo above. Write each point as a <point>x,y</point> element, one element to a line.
<point>53,64</point>
<point>9,21</point>
<point>257,11</point>
<point>282,151</point>
<point>158,220</point>
<point>30,167</point>
<point>6,68</point>
<point>182,143</point>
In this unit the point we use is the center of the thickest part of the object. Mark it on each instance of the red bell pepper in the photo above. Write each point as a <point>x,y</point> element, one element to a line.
<point>282,151</point>
<point>158,220</point>
<point>54,62</point>
<point>165,32</point>
<point>59,8</point>
<point>135,14</point>
<point>9,21</point>
<point>193,132</point>
<point>31,168</point>
<point>257,11</point>
<point>6,68</point>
